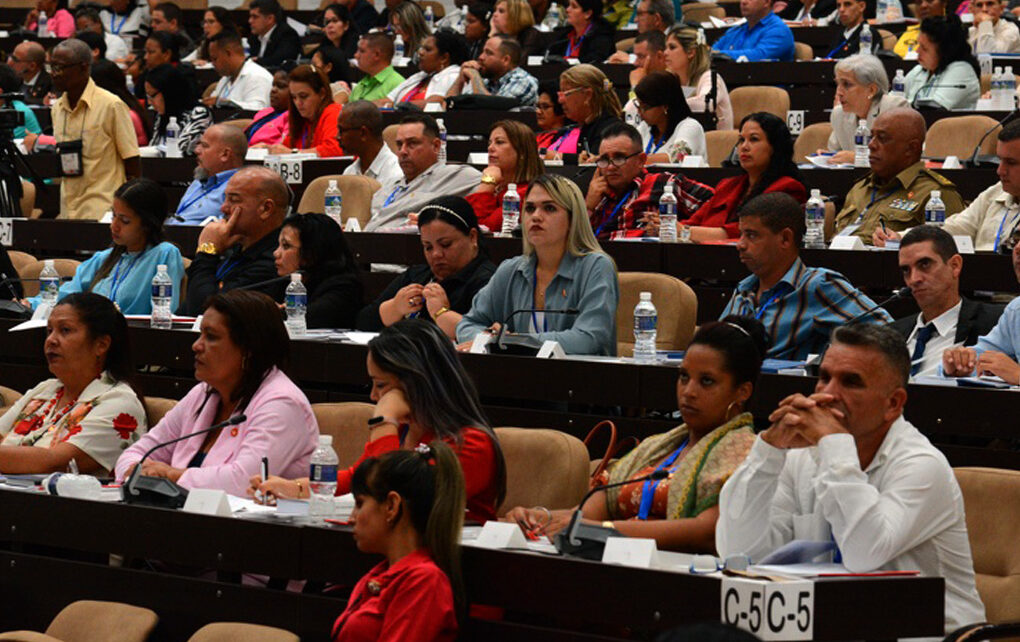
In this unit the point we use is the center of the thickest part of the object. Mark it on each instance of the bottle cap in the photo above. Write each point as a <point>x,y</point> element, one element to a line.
<point>816,193</point>
<point>161,268</point>
<point>646,296</point>
<point>511,187</point>
<point>332,183</point>
<point>48,263</point>
<point>295,277</point>
<point>936,194</point>
<point>325,440</point>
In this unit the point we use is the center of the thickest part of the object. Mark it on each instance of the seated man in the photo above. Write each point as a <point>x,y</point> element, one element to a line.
<point>374,57</point>
<point>424,177</point>
<point>29,60</point>
<point>361,134</point>
<point>895,192</point>
<point>843,464</point>
<point>651,16</point>
<point>798,305</point>
<point>275,41</point>
<point>622,191</point>
<point>851,18</point>
<point>243,82</point>
<point>168,17</point>
<point>763,37</point>
<point>497,73</point>
<point>931,269</point>
<point>238,251</point>
<point>649,56</point>
<point>995,353</point>
<point>220,153</point>
<point>991,34</point>
<point>991,219</point>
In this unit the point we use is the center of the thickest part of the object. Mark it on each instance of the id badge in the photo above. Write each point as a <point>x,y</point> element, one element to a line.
<point>70,158</point>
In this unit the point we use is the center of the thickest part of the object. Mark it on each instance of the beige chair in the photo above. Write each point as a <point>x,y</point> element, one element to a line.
<point>64,267</point>
<point>625,45</point>
<point>357,194</point>
<point>991,499</point>
<point>389,136</point>
<point>830,220</point>
<point>543,468</point>
<point>8,397</point>
<point>803,51</point>
<point>241,632</point>
<point>156,408</point>
<point>888,39</point>
<point>20,260</point>
<point>720,143</point>
<point>747,100</point>
<point>811,139</point>
<point>92,621</point>
<point>957,136</point>
<point>240,123</point>
<point>675,302</point>
<point>27,198</point>
<point>438,10</point>
<point>700,11</point>
<point>348,424</point>
<point>193,4</point>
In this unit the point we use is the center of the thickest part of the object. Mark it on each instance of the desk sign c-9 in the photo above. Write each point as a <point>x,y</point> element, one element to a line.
<point>770,610</point>
<point>290,167</point>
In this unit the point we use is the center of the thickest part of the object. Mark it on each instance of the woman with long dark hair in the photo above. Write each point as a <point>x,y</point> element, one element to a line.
<point>477,19</point>
<point>947,74</point>
<point>338,31</point>
<point>110,77</point>
<point>312,114</point>
<point>170,96</point>
<point>668,130</point>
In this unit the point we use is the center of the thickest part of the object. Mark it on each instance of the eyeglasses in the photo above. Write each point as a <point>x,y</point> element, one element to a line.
<point>57,68</point>
<point>566,92</point>
<point>702,564</point>
<point>603,162</point>
<point>544,106</point>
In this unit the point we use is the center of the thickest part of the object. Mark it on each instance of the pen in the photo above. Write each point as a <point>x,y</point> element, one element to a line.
<point>882,221</point>
<point>265,476</point>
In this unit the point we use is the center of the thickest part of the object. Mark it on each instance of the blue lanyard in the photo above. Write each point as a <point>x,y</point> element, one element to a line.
<point>838,47</point>
<point>393,195</point>
<point>612,216</point>
<point>117,281</point>
<point>577,45</point>
<point>760,311</point>
<point>116,30</point>
<point>651,141</point>
<point>874,193</point>
<point>998,234</point>
<point>648,490</point>
<point>200,196</point>
<point>559,141</point>
<point>534,317</point>
<point>225,268</point>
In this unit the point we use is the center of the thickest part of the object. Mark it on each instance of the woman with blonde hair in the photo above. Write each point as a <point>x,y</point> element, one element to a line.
<point>689,58</point>
<point>562,268</point>
<point>513,158</point>
<point>589,99</point>
<point>408,20</point>
<point>515,19</point>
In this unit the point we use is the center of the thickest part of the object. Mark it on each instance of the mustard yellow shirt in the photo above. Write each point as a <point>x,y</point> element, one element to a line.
<point>907,41</point>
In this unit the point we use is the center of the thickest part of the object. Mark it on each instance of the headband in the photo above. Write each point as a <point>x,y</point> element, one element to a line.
<point>446,210</point>
<point>734,325</point>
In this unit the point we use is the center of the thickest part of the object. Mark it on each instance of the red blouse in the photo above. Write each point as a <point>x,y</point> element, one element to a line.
<point>411,601</point>
<point>324,139</point>
<point>721,209</point>
<point>477,455</point>
<point>488,206</point>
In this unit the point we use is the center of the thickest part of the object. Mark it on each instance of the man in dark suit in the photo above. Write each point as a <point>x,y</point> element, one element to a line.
<point>29,60</point>
<point>931,268</point>
<point>273,40</point>
<point>851,18</point>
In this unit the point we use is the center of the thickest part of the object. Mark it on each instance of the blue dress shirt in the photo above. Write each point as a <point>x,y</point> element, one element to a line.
<point>770,39</point>
<point>202,199</point>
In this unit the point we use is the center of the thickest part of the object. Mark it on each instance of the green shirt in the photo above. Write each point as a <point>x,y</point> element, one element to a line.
<point>377,86</point>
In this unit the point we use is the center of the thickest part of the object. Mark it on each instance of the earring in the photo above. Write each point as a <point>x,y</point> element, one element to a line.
<point>730,407</point>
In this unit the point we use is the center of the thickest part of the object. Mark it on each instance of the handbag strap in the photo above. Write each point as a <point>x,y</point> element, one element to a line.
<point>610,449</point>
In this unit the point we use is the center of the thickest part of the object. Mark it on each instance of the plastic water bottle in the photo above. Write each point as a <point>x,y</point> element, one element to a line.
<point>881,9</point>
<point>296,304</point>
<point>985,64</point>
<point>997,88</point>
<point>173,130</point>
<point>865,46</point>
<point>398,47</point>
<point>899,84</point>
<point>49,283</point>
<point>935,210</point>
<point>667,215</point>
<point>162,296</point>
<point>814,218</point>
<point>130,82</point>
<point>645,319</point>
<point>43,24</point>
<point>334,202</point>
<point>552,17</point>
<point>322,477</point>
<point>511,210</point>
<point>861,139</point>
<point>1008,89</point>
<point>430,18</point>
<point>442,141</point>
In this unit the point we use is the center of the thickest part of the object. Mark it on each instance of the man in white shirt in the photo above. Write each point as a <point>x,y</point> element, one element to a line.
<point>991,34</point>
<point>931,269</point>
<point>360,133</point>
<point>844,465</point>
<point>243,83</point>
<point>87,19</point>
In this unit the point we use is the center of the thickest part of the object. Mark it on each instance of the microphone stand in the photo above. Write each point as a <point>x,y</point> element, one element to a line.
<point>973,160</point>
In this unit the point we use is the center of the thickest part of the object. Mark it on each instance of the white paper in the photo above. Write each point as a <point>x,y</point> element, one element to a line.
<point>249,506</point>
<point>360,338</point>
<point>822,161</point>
<point>300,27</point>
<point>257,153</point>
<point>534,61</point>
<point>798,551</point>
<point>478,158</point>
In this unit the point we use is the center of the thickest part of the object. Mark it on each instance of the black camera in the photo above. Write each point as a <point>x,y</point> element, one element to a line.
<point>10,118</point>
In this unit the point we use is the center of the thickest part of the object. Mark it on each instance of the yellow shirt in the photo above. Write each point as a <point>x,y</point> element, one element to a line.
<point>101,121</point>
<point>907,41</point>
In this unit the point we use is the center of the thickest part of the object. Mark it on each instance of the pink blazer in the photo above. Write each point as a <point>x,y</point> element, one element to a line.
<point>280,426</point>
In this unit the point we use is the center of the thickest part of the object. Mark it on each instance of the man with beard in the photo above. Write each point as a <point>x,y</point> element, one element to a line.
<point>496,73</point>
<point>220,154</point>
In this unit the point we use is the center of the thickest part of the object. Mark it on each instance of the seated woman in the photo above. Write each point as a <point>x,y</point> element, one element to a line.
<point>170,96</point>
<point>408,21</point>
<point>515,19</point>
<point>765,150</point>
<point>422,393</point>
<point>311,116</point>
<point>588,99</point>
<point>668,130</point>
<point>123,272</point>
<point>214,20</point>
<point>59,21</point>
<point>716,378</point>
<point>862,91</point>
<point>513,158</point>
<point>442,289</point>
<point>439,61</point>
<point>947,74</point>
<point>239,354</point>
<point>906,46</point>
<point>554,128</point>
<point>161,48</point>
<point>587,36</point>
<point>562,267</point>
<point>269,126</point>
<point>89,411</point>
<point>689,57</point>
<point>409,508</point>
<point>477,19</point>
<point>338,31</point>
<point>314,244</point>
<point>333,61</point>
<point>110,77</point>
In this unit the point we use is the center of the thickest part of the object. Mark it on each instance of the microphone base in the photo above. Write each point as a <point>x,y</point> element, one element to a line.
<point>155,491</point>
<point>593,541</point>
<point>520,345</point>
<point>14,310</point>
<point>984,161</point>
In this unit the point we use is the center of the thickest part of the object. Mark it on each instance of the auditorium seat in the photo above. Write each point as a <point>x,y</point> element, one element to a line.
<point>389,136</point>
<point>991,499</point>
<point>543,468</point>
<point>28,199</point>
<point>625,45</point>
<point>803,51</point>
<point>700,11</point>
<point>747,100</point>
<point>887,39</point>
<point>957,136</point>
<point>156,408</point>
<point>357,194</point>
<point>720,143</point>
<point>810,140</point>
<point>240,123</point>
<point>675,302</point>
<point>7,398</point>
<point>237,631</point>
<point>348,424</point>
<point>20,260</point>
<point>92,621</point>
<point>64,267</point>
<point>438,10</point>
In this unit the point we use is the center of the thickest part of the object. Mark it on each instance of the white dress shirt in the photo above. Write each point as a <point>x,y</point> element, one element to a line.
<point>941,340</point>
<point>687,139</point>
<point>439,84</point>
<point>1002,37</point>
<point>116,49</point>
<point>249,91</point>
<point>264,40</point>
<point>905,512</point>
<point>384,168</point>
<point>990,216</point>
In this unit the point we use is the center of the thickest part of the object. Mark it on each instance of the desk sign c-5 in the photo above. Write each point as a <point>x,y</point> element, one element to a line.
<point>770,610</point>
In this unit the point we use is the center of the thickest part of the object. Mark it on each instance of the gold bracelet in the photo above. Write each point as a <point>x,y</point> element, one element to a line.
<point>489,179</point>
<point>608,524</point>
<point>207,248</point>
<point>299,489</point>
<point>440,313</point>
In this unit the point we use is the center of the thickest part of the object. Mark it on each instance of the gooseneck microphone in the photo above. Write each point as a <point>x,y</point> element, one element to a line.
<point>902,293</point>
<point>275,279</point>
<point>501,340</point>
<point>973,160</point>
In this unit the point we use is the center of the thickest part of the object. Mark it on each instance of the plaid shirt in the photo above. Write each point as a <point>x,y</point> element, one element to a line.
<point>800,312</point>
<point>610,221</point>
<point>515,83</point>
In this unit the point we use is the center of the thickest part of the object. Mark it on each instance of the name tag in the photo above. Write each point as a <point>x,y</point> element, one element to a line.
<point>71,164</point>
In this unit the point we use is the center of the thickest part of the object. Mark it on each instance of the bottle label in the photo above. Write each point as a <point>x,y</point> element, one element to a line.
<point>295,300</point>
<point>50,285</point>
<point>334,200</point>
<point>816,213</point>
<point>511,207</point>
<point>323,473</point>
<point>860,140</point>
<point>935,216</point>
<point>667,209</point>
<point>645,323</point>
<point>162,291</point>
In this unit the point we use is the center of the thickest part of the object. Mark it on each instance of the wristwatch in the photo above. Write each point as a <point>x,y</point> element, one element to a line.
<point>380,420</point>
<point>207,248</point>
<point>488,179</point>
<point>440,312</point>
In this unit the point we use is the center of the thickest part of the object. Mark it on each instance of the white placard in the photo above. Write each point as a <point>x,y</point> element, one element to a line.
<point>551,350</point>
<point>107,218</point>
<point>964,244</point>
<point>208,501</point>
<point>7,232</point>
<point>42,313</point>
<point>770,610</point>
<point>639,552</point>
<point>289,167</point>
<point>481,340</point>
<point>846,243</point>
<point>534,61</point>
<point>500,535</point>
<point>795,120</point>
<point>352,225</point>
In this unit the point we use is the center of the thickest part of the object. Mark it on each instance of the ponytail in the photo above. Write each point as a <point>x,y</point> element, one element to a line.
<point>446,519</point>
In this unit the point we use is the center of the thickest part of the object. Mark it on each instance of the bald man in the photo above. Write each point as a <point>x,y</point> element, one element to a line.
<point>238,251</point>
<point>896,190</point>
<point>220,153</point>
<point>29,60</point>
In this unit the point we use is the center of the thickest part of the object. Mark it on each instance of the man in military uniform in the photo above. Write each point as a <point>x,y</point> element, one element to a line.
<point>895,192</point>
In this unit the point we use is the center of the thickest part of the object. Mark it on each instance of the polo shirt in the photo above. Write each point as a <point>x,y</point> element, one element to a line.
<point>377,86</point>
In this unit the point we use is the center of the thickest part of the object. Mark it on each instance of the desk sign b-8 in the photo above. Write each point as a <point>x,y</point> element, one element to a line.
<point>770,610</point>
<point>7,232</point>
<point>289,167</point>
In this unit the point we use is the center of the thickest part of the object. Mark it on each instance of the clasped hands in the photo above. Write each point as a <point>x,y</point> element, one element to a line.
<point>801,422</point>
